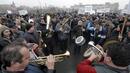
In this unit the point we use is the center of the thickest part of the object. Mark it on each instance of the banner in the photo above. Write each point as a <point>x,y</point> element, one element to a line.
<point>9,11</point>
<point>23,12</point>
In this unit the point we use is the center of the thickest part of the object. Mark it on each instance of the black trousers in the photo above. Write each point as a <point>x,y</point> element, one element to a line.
<point>63,45</point>
<point>50,42</point>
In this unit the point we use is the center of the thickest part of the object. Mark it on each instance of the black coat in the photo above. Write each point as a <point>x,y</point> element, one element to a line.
<point>31,37</point>
<point>77,30</point>
<point>3,43</point>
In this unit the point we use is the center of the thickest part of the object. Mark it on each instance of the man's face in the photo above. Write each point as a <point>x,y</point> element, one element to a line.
<point>32,29</point>
<point>18,21</point>
<point>32,23</point>
<point>80,23</point>
<point>42,21</point>
<point>7,33</point>
<point>26,57</point>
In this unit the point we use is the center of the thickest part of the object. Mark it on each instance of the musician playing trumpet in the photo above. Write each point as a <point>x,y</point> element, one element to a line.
<point>116,60</point>
<point>15,59</point>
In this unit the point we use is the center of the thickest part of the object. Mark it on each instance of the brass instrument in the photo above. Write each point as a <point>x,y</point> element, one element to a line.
<point>48,21</point>
<point>63,24</point>
<point>58,58</point>
<point>97,50</point>
<point>49,27</point>
<point>120,36</point>
<point>41,44</point>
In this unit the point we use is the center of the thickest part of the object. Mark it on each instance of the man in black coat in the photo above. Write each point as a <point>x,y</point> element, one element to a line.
<point>30,35</point>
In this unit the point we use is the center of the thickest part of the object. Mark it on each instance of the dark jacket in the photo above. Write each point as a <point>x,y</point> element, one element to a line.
<point>42,27</point>
<point>62,35</point>
<point>126,40</point>
<point>30,37</point>
<point>30,69</point>
<point>77,30</point>
<point>3,43</point>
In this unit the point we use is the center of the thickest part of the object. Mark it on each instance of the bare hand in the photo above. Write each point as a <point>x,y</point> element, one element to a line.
<point>92,57</point>
<point>35,46</point>
<point>120,37</point>
<point>50,62</point>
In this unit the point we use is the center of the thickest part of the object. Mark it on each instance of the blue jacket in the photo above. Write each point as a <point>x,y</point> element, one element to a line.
<point>89,25</point>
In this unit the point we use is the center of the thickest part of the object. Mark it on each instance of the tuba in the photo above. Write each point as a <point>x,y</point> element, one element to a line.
<point>42,60</point>
<point>97,50</point>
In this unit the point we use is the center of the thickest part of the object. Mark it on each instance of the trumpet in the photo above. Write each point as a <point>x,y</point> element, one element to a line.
<point>97,50</point>
<point>58,58</point>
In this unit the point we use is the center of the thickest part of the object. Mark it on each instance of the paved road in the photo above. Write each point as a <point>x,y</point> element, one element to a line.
<point>69,64</point>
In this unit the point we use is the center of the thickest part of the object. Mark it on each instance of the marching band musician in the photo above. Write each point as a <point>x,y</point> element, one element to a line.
<point>15,59</point>
<point>42,26</point>
<point>31,46</point>
<point>47,35</point>
<point>127,38</point>
<point>63,30</point>
<point>78,31</point>
<point>33,37</point>
<point>119,23</point>
<point>116,60</point>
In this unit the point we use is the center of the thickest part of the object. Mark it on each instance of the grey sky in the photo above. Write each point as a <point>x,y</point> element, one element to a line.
<point>61,3</point>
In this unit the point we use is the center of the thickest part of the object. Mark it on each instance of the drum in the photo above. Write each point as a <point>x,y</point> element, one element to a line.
<point>80,40</point>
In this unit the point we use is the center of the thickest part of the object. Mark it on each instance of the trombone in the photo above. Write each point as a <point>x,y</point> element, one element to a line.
<point>58,58</point>
<point>120,35</point>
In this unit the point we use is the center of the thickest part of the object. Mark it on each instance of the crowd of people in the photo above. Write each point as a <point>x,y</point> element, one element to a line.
<point>23,37</point>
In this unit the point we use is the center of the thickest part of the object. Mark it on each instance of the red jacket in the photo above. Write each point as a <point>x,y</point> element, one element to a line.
<point>85,67</point>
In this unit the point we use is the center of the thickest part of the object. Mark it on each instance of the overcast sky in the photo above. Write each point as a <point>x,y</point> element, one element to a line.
<point>61,3</point>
